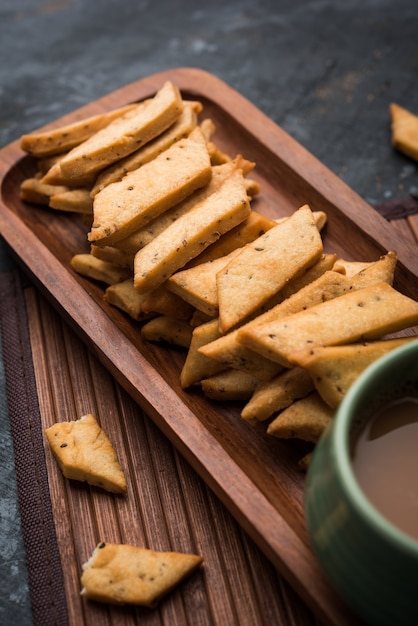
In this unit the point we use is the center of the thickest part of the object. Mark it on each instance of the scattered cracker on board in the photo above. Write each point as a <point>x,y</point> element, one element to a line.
<point>84,452</point>
<point>126,574</point>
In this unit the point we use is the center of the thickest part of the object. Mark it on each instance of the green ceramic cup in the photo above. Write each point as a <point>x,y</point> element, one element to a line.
<point>369,562</point>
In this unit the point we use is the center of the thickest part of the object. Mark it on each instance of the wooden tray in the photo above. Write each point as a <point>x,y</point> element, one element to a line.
<point>254,475</point>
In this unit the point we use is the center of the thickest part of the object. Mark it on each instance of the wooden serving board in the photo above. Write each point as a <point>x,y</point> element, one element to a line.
<point>254,475</point>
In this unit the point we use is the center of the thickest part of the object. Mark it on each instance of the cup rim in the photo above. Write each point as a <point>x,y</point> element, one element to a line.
<point>342,423</point>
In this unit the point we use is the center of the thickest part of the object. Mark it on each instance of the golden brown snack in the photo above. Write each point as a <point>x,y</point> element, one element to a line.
<point>165,329</point>
<point>34,190</point>
<point>197,366</point>
<point>380,271</point>
<point>304,419</point>
<point>229,386</point>
<point>126,574</point>
<point>90,266</point>
<point>185,238</point>
<point>404,130</point>
<point>84,452</point>
<point>333,369</point>
<point>125,297</point>
<point>144,235</point>
<point>182,127</point>
<point>253,227</point>
<point>197,284</point>
<point>125,134</point>
<point>266,265</point>
<point>363,314</point>
<point>54,176</point>
<point>230,351</point>
<point>164,302</point>
<point>277,394</point>
<point>113,255</point>
<point>59,140</point>
<point>142,195</point>
<point>72,200</point>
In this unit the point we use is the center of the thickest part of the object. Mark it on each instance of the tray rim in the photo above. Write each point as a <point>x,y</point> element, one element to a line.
<point>283,544</point>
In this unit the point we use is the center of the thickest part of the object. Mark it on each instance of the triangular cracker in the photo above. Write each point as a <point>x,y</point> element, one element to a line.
<point>126,574</point>
<point>304,419</point>
<point>404,130</point>
<point>197,284</point>
<point>191,233</point>
<point>182,127</point>
<point>361,314</point>
<point>266,265</point>
<point>125,134</point>
<point>333,369</point>
<point>59,140</point>
<point>84,452</point>
<point>142,195</point>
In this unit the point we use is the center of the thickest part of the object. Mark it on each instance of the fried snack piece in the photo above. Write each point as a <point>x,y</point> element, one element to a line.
<point>73,201</point>
<point>229,353</point>
<point>126,574</point>
<point>230,350</point>
<point>144,235</point>
<point>142,195</point>
<point>320,218</point>
<point>164,302</point>
<point>350,268</point>
<point>266,265</point>
<point>304,419</point>
<point>113,255</point>
<point>197,285</point>
<point>277,394</point>
<point>363,314</point>
<point>380,271</point>
<point>54,176</point>
<point>324,264</point>
<point>182,127</point>
<point>165,329</point>
<point>250,229</point>
<point>191,233</point>
<point>90,266</point>
<point>62,139</point>
<point>125,297</point>
<point>229,386</point>
<point>333,369</point>
<point>34,190</point>
<point>196,366</point>
<point>125,134</point>
<point>84,452</point>
<point>404,126</point>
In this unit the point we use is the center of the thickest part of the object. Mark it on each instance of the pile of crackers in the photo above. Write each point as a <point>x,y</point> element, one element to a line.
<point>265,317</point>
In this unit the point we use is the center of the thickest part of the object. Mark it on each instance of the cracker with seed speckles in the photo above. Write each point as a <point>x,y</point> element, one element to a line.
<point>362,314</point>
<point>127,574</point>
<point>142,195</point>
<point>266,265</point>
<point>125,134</point>
<point>84,452</point>
<point>64,138</point>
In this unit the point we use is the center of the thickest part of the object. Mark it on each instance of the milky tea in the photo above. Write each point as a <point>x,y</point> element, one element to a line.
<point>385,462</point>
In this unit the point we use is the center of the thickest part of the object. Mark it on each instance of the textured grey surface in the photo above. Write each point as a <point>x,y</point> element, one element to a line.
<point>325,71</point>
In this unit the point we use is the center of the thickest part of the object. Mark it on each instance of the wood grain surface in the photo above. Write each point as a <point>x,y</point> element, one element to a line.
<point>255,477</point>
<point>167,507</point>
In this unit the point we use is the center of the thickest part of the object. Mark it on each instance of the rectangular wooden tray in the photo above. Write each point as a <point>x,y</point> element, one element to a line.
<point>255,476</point>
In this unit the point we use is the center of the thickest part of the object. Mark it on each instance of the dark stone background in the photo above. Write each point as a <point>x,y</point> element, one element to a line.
<point>324,71</point>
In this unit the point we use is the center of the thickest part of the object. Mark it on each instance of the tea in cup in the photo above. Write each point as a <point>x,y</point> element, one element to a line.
<point>361,496</point>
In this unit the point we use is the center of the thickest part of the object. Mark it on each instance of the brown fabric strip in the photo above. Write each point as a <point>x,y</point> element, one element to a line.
<point>44,565</point>
<point>398,209</point>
